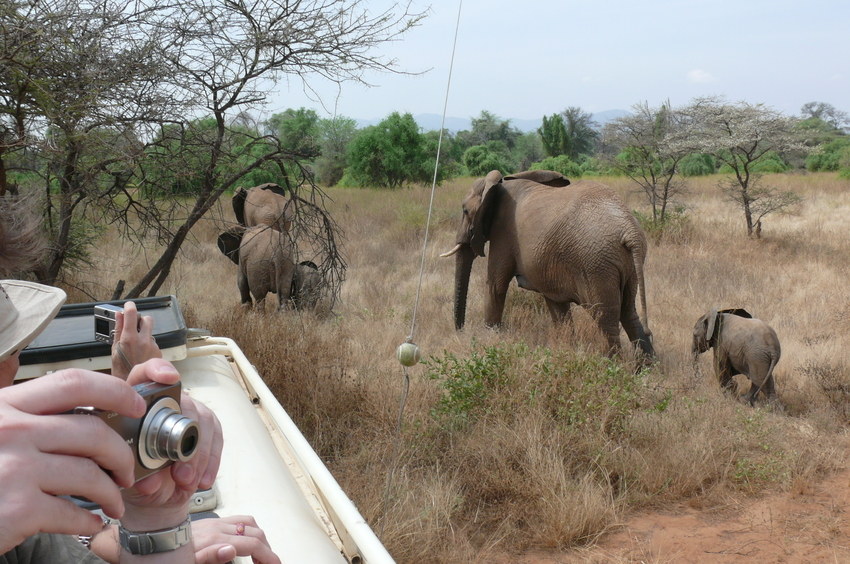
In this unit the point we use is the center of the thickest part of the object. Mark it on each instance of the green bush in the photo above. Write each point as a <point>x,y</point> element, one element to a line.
<point>481,159</point>
<point>562,164</point>
<point>575,389</point>
<point>697,164</point>
<point>827,157</point>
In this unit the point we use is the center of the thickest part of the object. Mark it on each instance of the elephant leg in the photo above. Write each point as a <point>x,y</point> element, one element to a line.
<point>244,290</point>
<point>634,328</point>
<point>725,377</point>
<point>767,387</point>
<point>560,311</point>
<point>495,306</point>
<point>609,323</point>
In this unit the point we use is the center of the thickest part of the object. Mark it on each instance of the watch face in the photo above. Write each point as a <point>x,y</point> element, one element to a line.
<point>154,542</point>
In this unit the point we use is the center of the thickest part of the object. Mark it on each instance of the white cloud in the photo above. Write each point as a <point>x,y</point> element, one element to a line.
<point>700,76</point>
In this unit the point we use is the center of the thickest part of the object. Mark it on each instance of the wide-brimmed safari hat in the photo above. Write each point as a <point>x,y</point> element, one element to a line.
<point>25,310</point>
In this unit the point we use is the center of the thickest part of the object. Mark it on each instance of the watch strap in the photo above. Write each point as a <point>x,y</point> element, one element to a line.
<point>154,542</point>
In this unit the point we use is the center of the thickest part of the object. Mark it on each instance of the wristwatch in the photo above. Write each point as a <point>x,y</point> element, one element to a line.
<point>153,542</point>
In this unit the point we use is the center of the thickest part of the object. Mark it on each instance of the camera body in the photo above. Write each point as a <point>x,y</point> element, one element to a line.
<point>104,322</point>
<point>159,438</point>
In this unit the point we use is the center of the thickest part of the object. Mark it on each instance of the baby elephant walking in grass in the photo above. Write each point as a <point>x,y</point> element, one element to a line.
<point>742,345</point>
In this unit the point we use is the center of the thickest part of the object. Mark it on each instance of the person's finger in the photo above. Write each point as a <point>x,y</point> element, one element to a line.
<point>146,328</point>
<point>62,516</point>
<point>205,463</point>
<point>131,315</point>
<point>216,554</point>
<point>156,370</point>
<point>119,326</point>
<point>64,390</point>
<point>214,462</point>
<point>80,477</point>
<point>86,436</point>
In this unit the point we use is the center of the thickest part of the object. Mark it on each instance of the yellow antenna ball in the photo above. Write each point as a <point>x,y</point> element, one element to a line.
<point>407,354</point>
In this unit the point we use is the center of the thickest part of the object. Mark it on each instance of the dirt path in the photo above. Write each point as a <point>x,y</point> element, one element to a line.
<point>810,526</point>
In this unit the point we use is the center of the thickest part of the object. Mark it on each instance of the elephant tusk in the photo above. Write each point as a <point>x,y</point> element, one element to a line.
<point>452,252</point>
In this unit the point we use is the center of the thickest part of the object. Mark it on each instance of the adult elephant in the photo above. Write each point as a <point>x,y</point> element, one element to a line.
<point>574,243</point>
<point>742,345</point>
<point>264,257</point>
<point>266,204</point>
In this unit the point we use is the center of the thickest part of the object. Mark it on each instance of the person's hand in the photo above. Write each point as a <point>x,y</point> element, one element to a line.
<point>134,342</point>
<point>165,494</point>
<point>218,541</point>
<point>46,452</point>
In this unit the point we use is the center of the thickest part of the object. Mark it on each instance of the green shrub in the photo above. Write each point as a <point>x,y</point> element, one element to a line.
<point>576,390</point>
<point>697,164</point>
<point>827,157</point>
<point>562,164</point>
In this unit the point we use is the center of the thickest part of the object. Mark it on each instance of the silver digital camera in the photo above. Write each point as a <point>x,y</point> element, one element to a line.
<point>159,438</point>
<point>104,322</point>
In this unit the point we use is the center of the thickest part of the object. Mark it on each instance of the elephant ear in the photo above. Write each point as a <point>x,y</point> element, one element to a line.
<point>547,177</point>
<point>490,196</point>
<point>239,205</point>
<point>711,324</point>
<point>274,188</point>
<point>229,242</point>
<point>740,312</point>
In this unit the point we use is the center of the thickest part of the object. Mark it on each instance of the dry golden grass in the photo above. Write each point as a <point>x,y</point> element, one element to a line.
<point>526,470</point>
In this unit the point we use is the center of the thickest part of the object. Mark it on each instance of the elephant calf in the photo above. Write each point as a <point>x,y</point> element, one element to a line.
<point>742,345</point>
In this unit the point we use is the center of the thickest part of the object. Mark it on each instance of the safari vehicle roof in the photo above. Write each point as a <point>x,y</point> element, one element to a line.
<point>268,468</point>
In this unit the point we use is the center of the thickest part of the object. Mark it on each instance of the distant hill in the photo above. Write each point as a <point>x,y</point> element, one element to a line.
<point>431,122</point>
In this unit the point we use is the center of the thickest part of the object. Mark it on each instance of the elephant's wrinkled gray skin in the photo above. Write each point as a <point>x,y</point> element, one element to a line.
<point>306,285</point>
<point>266,204</point>
<point>742,345</point>
<point>574,243</point>
<point>264,257</point>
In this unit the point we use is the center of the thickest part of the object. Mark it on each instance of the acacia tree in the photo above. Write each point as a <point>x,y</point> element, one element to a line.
<point>650,144</point>
<point>140,69</point>
<point>741,136</point>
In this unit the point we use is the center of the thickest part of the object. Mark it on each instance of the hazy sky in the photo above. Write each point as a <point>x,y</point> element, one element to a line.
<point>526,58</point>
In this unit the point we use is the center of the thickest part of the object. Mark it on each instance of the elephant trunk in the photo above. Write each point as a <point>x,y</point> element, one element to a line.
<point>463,268</point>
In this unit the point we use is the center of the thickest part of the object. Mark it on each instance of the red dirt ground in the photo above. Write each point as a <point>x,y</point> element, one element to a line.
<point>790,527</point>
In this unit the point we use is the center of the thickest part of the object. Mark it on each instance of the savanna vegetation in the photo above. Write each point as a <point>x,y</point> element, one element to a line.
<point>529,437</point>
<point>131,125</point>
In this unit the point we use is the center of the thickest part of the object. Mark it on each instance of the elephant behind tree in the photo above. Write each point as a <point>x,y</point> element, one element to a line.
<point>573,243</point>
<point>742,345</point>
<point>266,204</point>
<point>264,257</point>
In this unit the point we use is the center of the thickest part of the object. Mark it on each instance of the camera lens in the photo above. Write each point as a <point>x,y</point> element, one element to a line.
<point>167,435</point>
<point>176,439</point>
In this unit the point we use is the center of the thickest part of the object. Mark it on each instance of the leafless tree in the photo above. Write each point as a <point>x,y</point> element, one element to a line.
<point>650,145</point>
<point>740,136</point>
<point>109,90</point>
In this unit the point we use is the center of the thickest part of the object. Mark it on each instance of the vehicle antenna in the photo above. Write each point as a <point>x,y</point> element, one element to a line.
<point>408,353</point>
